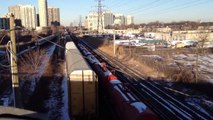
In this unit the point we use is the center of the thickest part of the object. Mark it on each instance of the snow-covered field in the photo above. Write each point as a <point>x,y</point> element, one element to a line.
<point>205,64</point>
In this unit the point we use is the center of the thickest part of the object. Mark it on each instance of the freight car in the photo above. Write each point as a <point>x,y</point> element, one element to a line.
<point>126,103</point>
<point>82,84</point>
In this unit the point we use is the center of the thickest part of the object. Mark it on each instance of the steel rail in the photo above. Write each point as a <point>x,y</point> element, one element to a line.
<point>151,91</point>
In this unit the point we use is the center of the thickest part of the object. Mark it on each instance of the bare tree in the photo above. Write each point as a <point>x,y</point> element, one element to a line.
<point>30,63</point>
<point>202,39</point>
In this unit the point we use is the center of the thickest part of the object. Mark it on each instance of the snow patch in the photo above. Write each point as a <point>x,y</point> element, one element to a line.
<point>124,96</point>
<point>205,64</point>
<point>194,102</point>
<point>139,106</point>
<point>181,56</point>
<point>29,84</point>
<point>115,82</point>
<point>155,57</point>
<point>107,73</point>
<point>65,108</point>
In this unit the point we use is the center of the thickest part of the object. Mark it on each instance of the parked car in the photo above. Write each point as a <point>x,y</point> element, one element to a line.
<point>189,43</point>
<point>179,45</point>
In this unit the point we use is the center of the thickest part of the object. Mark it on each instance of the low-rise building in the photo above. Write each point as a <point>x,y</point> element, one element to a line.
<point>182,35</point>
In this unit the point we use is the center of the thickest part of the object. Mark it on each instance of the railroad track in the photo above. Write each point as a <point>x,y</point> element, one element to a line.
<point>165,105</point>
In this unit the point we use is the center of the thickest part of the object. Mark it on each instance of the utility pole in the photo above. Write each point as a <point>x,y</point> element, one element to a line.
<point>114,42</point>
<point>100,19</point>
<point>14,68</point>
<point>197,63</point>
<point>80,25</point>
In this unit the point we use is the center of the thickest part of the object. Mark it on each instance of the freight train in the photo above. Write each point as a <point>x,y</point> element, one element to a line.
<point>83,97</point>
<point>126,104</point>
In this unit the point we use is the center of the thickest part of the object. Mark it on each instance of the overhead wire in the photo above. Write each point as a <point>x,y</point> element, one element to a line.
<point>115,2</point>
<point>119,3</point>
<point>200,2</point>
<point>151,7</point>
<point>7,50</point>
<point>138,11</point>
<point>138,8</point>
<point>141,7</point>
<point>176,6</point>
<point>2,38</point>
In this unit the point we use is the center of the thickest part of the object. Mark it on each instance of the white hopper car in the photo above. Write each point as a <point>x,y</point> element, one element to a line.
<point>83,95</point>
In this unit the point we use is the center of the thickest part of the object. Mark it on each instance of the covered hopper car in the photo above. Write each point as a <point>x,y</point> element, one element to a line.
<point>83,95</point>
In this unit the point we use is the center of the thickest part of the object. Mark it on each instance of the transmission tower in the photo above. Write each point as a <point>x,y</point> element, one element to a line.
<point>100,19</point>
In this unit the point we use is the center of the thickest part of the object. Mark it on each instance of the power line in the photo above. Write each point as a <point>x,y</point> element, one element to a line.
<point>172,6</point>
<point>118,3</point>
<point>154,4</point>
<point>132,9</point>
<point>179,8</point>
<point>141,7</point>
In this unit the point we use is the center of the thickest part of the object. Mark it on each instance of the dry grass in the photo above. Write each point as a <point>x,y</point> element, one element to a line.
<point>151,67</point>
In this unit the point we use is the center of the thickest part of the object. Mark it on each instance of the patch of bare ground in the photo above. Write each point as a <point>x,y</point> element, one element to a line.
<point>131,62</point>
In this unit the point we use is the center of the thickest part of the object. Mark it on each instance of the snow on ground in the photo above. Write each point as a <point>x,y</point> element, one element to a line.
<point>139,106</point>
<point>46,59</point>
<point>52,102</point>
<point>180,57</point>
<point>195,102</point>
<point>65,108</point>
<point>156,57</point>
<point>57,104</point>
<point>29,85</point>
<point>205,63</point>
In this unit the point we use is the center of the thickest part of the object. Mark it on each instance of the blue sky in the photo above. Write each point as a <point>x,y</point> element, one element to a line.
<point>143,10</point>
